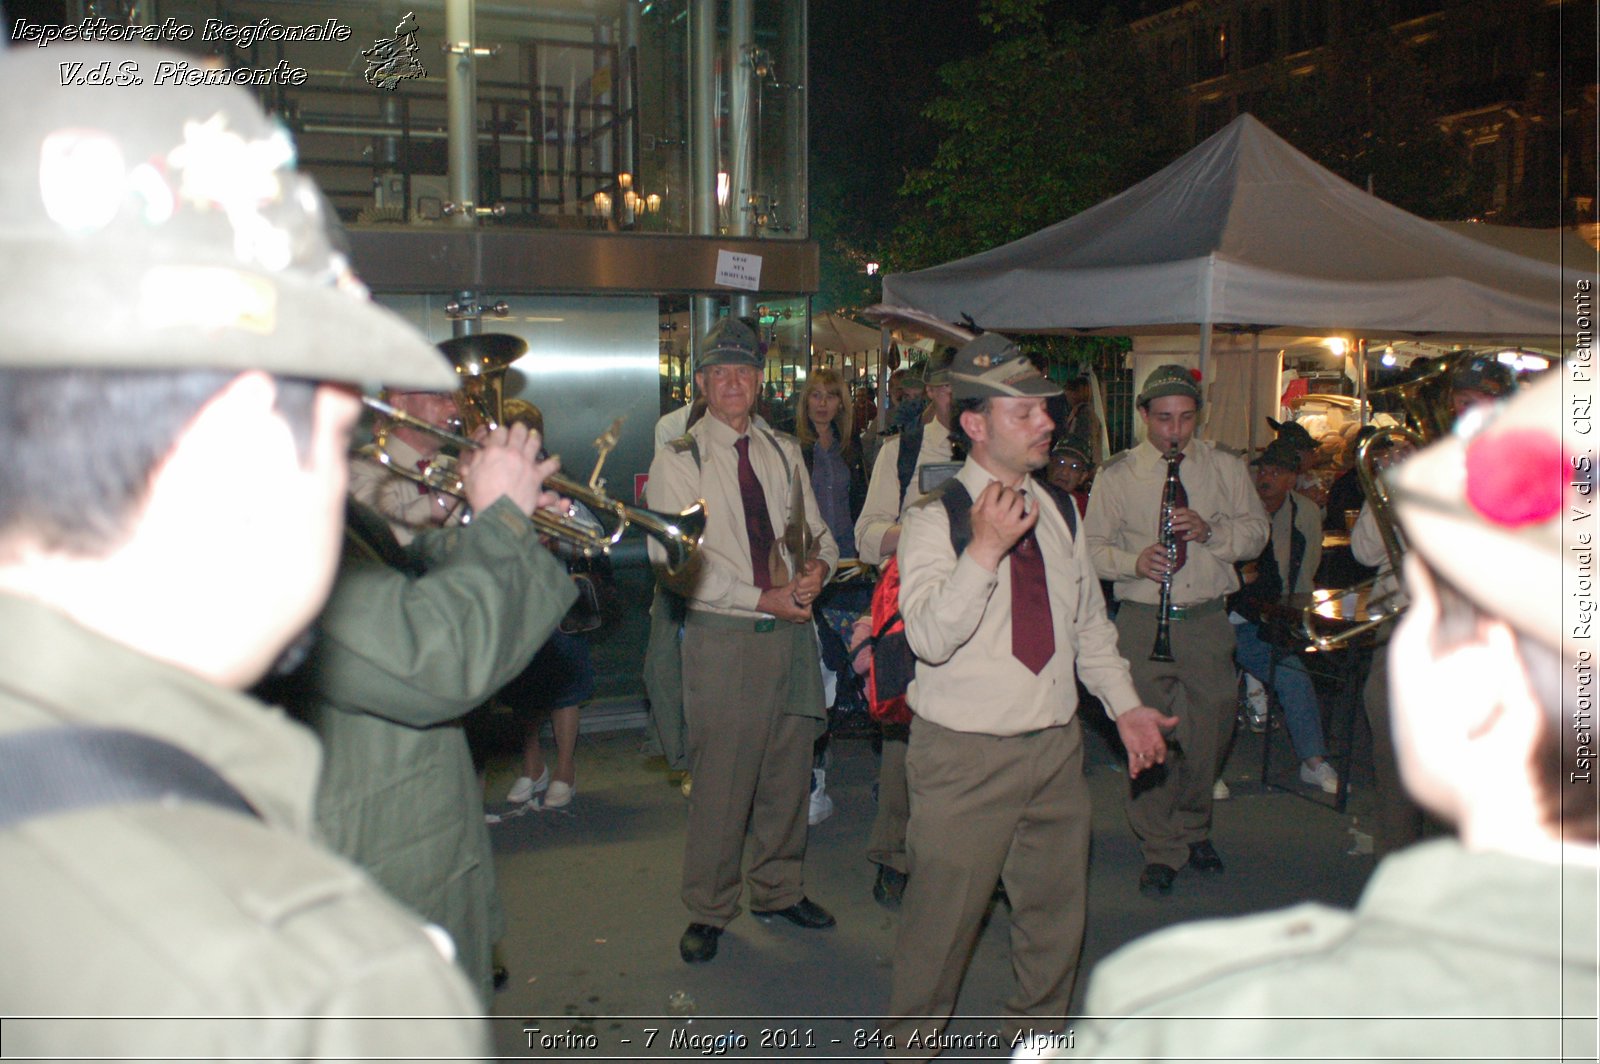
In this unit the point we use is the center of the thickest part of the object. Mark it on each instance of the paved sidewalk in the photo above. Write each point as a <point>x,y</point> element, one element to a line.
<point>591,897</point>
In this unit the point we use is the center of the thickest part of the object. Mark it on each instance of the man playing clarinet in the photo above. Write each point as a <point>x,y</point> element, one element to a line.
<point>1214,518</point>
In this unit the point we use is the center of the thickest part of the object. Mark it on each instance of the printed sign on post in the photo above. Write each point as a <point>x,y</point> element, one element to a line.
<point>738,270</point>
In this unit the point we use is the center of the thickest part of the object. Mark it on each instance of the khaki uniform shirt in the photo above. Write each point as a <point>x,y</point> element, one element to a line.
<point>1450,955</point>
<point>720,579</point>
<point>408,509</point>
<point>186,914</point>
<point>884,503</point>
<point>1125,511</point>
<point>958,622</point>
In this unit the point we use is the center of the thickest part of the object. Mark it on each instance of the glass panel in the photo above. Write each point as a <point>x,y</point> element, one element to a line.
<point>582,110</point>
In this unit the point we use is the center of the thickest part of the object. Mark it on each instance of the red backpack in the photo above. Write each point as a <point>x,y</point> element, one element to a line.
<point>892,663</point>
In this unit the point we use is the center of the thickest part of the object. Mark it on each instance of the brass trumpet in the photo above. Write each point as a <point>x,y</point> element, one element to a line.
<point>680,534</point>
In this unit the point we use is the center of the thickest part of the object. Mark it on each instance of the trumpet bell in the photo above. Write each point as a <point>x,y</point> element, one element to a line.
<point>679,534</point>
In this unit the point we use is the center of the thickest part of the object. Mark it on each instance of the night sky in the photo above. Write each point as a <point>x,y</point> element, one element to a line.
<point>874,67</point>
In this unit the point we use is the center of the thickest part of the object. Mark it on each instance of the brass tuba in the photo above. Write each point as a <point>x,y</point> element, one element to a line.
<point>481,361</point>
<point>1422,401</point>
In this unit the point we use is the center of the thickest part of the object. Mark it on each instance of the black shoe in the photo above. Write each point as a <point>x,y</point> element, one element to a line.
<point>803,913</point>
<point>501,977</point>
<point>1203,857</point>
<point>699,943</point>
<point>889,887</point>
<point>1156,879</point>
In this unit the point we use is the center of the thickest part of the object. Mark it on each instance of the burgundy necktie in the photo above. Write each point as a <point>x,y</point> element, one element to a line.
<point>422,467</point>
<point>1180,499</point>
<point>1033,632</point>
<point>757,522</point>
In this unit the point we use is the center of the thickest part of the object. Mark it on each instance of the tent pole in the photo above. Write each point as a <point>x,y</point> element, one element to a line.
<point>1362,413</point>
<point>1205,369</point>
<point>1255,356</point>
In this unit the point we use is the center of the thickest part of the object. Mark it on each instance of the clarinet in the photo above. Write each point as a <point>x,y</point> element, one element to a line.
<point>1162,651</point>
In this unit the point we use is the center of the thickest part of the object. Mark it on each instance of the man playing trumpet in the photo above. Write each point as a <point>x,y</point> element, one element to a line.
<point>407,504</point>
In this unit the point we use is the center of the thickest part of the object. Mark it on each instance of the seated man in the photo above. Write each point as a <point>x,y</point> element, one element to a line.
<point>1477,948</point>
<point>1285,567</point>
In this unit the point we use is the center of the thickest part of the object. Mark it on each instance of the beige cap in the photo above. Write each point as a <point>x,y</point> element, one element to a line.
<point>1493,507</point>
<point>148,226</point>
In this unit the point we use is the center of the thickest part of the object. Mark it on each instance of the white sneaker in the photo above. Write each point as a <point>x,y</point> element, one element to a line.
<point>1220,792</point>
<point>821,804</point>
<point>526,787</point>
<point>560,795</point>
<point>1322,776</point>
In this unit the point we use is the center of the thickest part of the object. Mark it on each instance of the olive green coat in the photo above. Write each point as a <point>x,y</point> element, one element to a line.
<point>186,913</point>
<point>399,660</point>
<point>1450,955</point>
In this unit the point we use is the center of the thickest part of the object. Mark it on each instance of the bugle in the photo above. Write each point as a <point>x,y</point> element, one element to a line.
<point>680,534</point>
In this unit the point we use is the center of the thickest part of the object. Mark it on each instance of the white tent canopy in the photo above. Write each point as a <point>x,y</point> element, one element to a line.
<point>1245,230</point>
<point>834,332</point>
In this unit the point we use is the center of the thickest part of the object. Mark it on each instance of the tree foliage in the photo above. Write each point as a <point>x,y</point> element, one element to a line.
<point>1051,119</point>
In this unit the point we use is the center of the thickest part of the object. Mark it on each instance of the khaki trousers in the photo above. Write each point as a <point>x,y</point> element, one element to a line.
<point>1170,807</point>
<point>887,846</point>
<point>986,809</point>
<point>751,762</point>
<point>663,677</point>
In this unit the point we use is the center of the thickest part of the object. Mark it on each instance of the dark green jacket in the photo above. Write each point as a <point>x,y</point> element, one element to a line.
<point>399,661</point>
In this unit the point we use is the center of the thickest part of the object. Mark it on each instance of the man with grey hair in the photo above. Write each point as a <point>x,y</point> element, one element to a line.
<point>161,873</point>
<point>752,693</point>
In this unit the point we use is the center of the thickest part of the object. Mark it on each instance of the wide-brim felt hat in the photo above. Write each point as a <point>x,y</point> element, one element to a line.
<point>1281,453</point>
<point>147,227</point>
<point>937,370</point>
<point>992,366</point>
<point>1487,507</point>
<point>1293,433</point>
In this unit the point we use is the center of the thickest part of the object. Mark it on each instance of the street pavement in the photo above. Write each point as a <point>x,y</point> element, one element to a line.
<point>593,914</point>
